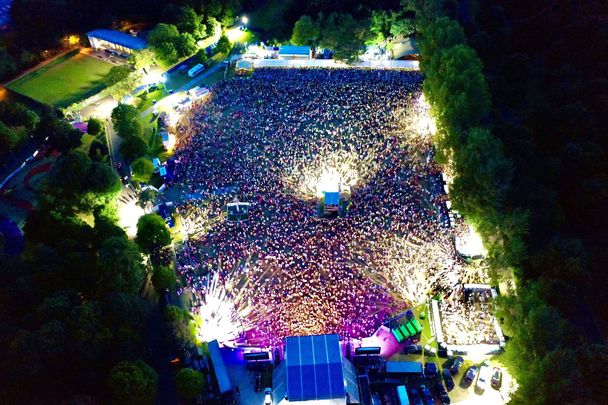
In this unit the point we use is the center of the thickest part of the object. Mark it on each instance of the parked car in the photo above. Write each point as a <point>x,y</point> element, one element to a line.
<point>268,396</point>
<point>447,378</point>
<point>456,365</point>
<point>415,397</point>
<point>482,378</point>
<point>496,378</point>
<point>443,395</point>
<point>426,395</point>
<point>471,374</point>
<point>430,370</point>
<point>412,349</point>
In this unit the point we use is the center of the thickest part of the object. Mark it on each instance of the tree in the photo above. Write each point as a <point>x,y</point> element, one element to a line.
<point>162,33</point>
<point>381,23</point>
<point>68,178</point>
<point>117,74</point>
<point>61,134</point>
<point>123,116</point>
<point>152,233</point>
<point>147,197</point>
<point>132,382</point>
<point>8,138</point>
<point>94,127</point>
<point>102,183</point>
<point>344,35</point>
<point>180,323</point>
<point>163,39</point>
<point>125,86</point>
<point>189,383</point>
<point>189,22</point>
<point>163,278</point>
<point>484,174</point>
<point>120,264</point>
<point>142,59</point>
<point>306,31</point>
<point>458,92</point>
<point>8,66</point>
<point>133,147</point>
<point>202,57</point>
<point>143,169</point>
<point>185,45</point>
<point>223,44</point>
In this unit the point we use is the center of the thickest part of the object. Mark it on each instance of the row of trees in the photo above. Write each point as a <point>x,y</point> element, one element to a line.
<point>505,180</point>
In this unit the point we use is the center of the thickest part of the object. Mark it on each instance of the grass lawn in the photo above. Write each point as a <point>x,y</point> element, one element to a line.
<point>149,101</point>
<point>64,81</point>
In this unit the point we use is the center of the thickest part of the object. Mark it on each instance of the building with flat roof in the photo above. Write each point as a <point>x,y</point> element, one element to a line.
<point>315,371</point>
<point>295,52</point>
<point>116,41</point>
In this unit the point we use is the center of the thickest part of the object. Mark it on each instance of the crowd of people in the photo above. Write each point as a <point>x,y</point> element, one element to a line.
<point>467,318</point>
<point>267,140</point>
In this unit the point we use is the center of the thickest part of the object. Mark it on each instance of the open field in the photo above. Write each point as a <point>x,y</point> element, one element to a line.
<point>64,81</point>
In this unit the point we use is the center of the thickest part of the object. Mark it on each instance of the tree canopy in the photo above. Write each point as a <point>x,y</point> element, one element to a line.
<point>306,31</point>
<point>143,169</point>
<point>190,383</point>
<point>152,233</point>
<point>132,382</point>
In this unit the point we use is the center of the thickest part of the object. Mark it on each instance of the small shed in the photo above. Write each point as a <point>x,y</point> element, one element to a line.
<point>243,67</point>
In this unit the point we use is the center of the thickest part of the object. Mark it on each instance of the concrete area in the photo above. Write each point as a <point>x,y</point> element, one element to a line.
<point>243,379</point>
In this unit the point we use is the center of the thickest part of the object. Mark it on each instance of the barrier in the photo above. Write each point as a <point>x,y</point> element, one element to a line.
<point>330,63</point>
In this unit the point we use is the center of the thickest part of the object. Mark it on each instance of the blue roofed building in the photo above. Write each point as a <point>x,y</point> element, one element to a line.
<point>115,41</point>
<point>295,52</point>
<point>331,201</point>
<point>314,371</point>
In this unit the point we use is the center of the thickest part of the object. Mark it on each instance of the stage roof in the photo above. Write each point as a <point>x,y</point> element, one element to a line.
<point>119,38</point>
<point>332,198</point>
<point>313,368</point>
<point>294,50</point>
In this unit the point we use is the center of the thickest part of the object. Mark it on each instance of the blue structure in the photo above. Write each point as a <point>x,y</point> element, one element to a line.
<point>295,52</point>
<point>221,372</point>
<point>314,370</point>
<point>331,202</point>
<point>116,41</point>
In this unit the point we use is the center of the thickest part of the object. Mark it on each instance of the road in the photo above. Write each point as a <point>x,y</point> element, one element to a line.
<point>170,99</point>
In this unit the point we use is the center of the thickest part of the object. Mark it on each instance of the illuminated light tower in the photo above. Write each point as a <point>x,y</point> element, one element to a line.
<point>245,21</point>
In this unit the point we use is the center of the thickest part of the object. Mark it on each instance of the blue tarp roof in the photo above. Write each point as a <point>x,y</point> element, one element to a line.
<point>119,38</point>
<point>313,368</point>
<point>294,50</point>
<point>332,198</point>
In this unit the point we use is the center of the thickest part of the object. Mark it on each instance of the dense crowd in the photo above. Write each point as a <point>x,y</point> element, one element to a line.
<point>267,140</point>
<point>467,318</point>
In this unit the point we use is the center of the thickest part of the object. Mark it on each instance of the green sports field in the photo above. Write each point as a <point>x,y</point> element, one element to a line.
<point>64,81</point>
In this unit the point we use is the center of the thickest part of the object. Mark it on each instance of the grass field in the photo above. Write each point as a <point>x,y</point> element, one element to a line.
<point>64,81</point>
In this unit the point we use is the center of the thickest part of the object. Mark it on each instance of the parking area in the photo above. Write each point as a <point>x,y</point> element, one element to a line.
<point>436,381</point>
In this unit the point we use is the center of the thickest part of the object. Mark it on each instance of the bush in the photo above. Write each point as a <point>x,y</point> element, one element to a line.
<point>94,127</point>
<point>163,278</point>
<point>133,147</point>
<point>143,169</point>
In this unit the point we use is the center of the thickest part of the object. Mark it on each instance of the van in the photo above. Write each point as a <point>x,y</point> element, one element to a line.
<point>196,70</point>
